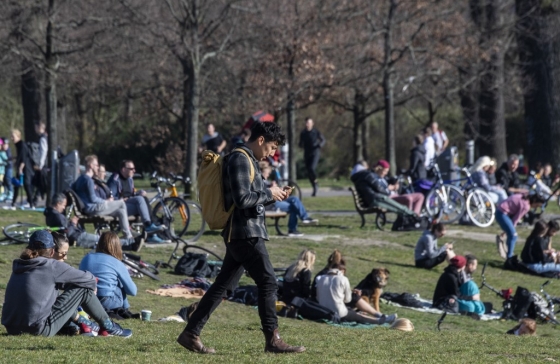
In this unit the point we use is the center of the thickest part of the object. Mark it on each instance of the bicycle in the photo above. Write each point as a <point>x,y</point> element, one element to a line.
<point>175,212</point>
<point>546,314</point>
<point>478,204</point>
<point>19,233</point>
<point>136,263</point>
<point>282,182</point>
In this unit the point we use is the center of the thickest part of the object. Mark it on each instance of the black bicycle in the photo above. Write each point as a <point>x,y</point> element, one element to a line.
<point>136,263</point>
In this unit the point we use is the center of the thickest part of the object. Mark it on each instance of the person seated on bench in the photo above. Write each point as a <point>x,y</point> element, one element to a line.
<point>85,189</point>
<point>101,188</point>
<point>55,217</point>
<point>334,292</point>
<point>292,205</point>
<point>479,173</point>
<point>114,282</point>
<point>533,254</point>
<point>413,201</point>
<point>426,254</point>
<point>366,183</point>
<point>297,280</point>
<point>122,187</point>
<point>32,303</point>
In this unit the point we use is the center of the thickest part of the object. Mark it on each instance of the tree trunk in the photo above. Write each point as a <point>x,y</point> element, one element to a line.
<point>62,127</point>
<point>388,89</point>
<point>291,125</point>
<point>365,140</point>
<point>81,120</point>
<point>539,56</point>
<point>192,108</point>
<point>50,91</point>
<point>30,101</point>
<point>359,119</point>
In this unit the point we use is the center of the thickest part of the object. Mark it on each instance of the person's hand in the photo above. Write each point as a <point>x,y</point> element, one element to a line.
<point>448,246</point>
<point>36,168</point>
<point>75,220</point>
<point>357,292</point>
<point>111,198</point>
<point>451,300</point>
<point>278,194</point>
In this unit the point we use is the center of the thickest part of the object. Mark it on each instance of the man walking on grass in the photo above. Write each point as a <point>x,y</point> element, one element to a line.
<point>244,235</point>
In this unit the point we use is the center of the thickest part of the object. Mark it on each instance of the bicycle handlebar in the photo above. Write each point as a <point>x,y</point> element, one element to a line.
<point>173,178</point>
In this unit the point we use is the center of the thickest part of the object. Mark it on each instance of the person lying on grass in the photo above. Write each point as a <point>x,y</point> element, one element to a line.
<point>114,282</point>
<point>33,305</point>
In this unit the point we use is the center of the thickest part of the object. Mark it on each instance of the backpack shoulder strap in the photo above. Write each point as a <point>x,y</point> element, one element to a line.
<point>252,173</point>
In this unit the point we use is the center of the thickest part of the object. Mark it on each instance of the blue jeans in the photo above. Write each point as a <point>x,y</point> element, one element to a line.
<point>541,268</point>
<point>507,226</point>
<point>136,205</point>
<point>117,300</point>
<point>294,207</point>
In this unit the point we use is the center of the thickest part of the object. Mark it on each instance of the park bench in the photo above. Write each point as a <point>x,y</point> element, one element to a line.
<point>364,210</point>
<point>77,206</point>
<point>276,215</point>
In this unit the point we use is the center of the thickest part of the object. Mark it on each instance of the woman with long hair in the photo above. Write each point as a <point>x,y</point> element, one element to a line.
<point>32,303</point>
<point>297,280</point>
<point>115,283</point>
<point>533,254</point>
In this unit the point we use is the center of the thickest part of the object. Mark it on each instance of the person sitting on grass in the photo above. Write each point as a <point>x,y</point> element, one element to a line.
<point>114,282</point>
<point>334,292</point>
<point>469,299</point>
<point>526,326</point>
<point>291,205</point>
<point>32,304</point>
<point>447,288</point>
<point>357,302</point>
<point>549,251</point>
<point>427,254</point>
<point>533,254</point>
<point>297,280</point>
<point>55,217</point>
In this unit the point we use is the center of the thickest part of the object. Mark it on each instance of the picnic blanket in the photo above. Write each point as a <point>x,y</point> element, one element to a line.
<point>427,307</point>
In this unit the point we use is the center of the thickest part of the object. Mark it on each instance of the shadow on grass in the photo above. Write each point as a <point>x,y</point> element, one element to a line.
<point>397,264</point>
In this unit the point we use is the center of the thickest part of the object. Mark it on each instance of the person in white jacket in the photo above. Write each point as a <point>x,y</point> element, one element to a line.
<point>333,292</point>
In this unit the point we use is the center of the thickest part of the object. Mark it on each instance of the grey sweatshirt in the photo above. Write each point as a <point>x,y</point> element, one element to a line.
<point>31,292</point>
<point>426,247</point>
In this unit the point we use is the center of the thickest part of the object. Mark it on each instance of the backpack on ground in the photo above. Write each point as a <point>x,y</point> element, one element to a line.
<point>211,190</point>
<point>196,265</point>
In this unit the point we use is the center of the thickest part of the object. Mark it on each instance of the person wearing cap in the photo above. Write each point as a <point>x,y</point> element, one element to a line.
<point>447,290</point>
<point>375,190</point>
<point>32,304</point>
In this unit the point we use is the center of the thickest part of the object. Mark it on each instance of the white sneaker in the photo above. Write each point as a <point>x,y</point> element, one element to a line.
<point>310,221</point>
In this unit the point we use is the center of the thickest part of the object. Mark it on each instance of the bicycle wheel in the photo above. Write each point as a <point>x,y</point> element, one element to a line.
<point>480,208</point>
<point>197,225</point>
<point>138,266</point>
<point>207,251</point>
<point>448,201</point>
<point>20,232</point>
<point>174,213</point>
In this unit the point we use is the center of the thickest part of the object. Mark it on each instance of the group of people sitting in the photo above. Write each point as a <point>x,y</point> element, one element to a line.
<point>115,197</point>
<point>331,289</point>
<point>45,296</point>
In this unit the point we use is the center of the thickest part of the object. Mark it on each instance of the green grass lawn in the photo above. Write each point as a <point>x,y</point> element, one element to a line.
<point>234,329</point>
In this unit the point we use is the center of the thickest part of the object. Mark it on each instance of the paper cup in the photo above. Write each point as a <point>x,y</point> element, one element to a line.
<point>146,315</point>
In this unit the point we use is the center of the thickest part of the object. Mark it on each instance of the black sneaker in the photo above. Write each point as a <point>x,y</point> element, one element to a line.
<point>294,233</point>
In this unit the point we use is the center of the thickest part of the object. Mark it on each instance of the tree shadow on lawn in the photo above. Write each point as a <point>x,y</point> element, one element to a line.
<point>397,264</point>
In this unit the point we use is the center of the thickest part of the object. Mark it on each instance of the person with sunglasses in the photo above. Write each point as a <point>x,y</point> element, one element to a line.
<point>122,187</point>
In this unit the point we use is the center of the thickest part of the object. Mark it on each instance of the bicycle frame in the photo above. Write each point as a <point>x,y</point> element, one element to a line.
<point>172,189</point>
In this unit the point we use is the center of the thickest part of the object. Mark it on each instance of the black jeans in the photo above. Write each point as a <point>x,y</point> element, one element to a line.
<point>251,255</point>
<point>311,160</point>
<point>429,263</point>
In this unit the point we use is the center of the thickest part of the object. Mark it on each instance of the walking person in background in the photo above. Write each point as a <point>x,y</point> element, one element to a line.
<point>430,147</point>
<point>24,169</point>
<point>3,163</point>
<point>213,140</point>
<point>440,138</point>
<point>40,166</point>
<point>508,177</point>
<point>9,170</point>
<point>311,140</point>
